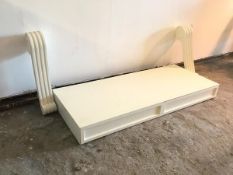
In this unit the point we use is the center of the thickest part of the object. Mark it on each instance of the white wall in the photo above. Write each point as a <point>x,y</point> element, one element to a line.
<point>90,39</point>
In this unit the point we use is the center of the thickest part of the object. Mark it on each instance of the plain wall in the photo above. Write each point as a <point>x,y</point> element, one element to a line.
<point>89,39</point>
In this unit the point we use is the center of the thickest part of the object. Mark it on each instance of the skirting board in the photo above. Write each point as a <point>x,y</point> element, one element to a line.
<point>95,109</point>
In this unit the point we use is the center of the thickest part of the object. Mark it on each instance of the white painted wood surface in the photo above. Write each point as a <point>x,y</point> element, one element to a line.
<point>98,108</point>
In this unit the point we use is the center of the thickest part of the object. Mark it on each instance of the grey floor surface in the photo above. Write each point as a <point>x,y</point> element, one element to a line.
<point>196,140</point>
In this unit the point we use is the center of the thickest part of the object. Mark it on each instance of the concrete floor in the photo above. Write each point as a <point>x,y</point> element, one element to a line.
<point>196,140</point>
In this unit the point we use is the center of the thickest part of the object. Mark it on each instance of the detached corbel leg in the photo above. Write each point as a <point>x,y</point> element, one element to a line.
<point>184,34</point>
<point>37,50</point>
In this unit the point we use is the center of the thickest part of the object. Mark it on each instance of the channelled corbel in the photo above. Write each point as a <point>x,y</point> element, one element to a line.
<point>184,34</point>
<point>37,50</point>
